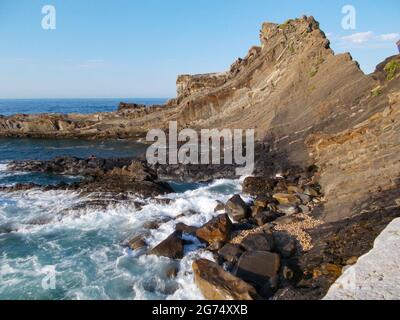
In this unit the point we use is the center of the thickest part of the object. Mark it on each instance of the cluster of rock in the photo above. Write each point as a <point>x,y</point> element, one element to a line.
<point>119,175</point>
<point>253,260</point>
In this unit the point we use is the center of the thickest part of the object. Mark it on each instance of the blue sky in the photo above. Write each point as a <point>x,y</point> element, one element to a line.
<point>136,48</point>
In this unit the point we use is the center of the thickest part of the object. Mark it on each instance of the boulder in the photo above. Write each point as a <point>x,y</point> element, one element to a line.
<point>256,186</point>
<point>261,201</point>
<point>219,207</point>
<point>287,199</point>
<point>185,228</point>
<point>172,247</point>
<point>236,208</point>
<point>217,229</point>
<point>256,210</point>
<point>217,284</point>
<point>257,267</point>
<point>258,242</point>
<point>285,245</point>
<point>265,217</point>
<point>294,189</point>
<point>311,191</point>
<point>230,252</point>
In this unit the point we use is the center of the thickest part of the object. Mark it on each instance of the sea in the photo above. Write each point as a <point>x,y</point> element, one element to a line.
<point>51,250</point>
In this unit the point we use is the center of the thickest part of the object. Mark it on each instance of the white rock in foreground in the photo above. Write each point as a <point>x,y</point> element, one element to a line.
<point>376,275</point>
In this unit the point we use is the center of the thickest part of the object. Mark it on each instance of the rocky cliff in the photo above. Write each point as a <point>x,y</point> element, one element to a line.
<point>307,105</point>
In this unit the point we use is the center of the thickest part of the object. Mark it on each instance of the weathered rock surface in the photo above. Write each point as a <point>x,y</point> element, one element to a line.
<point>216,230</point>
<point>257,267</point>
<point>376,275</point>
<point>101,175</point>
<point>217,284</point>
<point>258,242</point>
<point>236,208</point>
<point>172,247</point>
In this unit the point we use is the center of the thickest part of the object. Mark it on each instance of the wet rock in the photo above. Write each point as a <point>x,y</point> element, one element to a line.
<point>172,247</point>
<point>219,207</point>
<point>236,208</point>
<point>257,267</point>
<point>217,229</point>
<point>258,242</point>
<point>258,186</point>
<point>217,284</point>
<point>215,246</point>
<point>287,209</point>
<point>137,242</point>
<point>230,252</point>
<point>287,199</point>
<point>172,272</point>
<point>185,228</point>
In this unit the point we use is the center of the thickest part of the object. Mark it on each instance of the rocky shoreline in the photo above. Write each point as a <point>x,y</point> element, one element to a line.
<point>271,246</point>
<point>326,179</point>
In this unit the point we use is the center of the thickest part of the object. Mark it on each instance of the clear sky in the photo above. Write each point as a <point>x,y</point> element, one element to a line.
<point>136,48</point>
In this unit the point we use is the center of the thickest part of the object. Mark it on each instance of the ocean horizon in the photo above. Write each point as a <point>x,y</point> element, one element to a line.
<point>69,105</point>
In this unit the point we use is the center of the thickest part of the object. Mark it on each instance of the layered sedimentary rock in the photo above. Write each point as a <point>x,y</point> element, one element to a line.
<point>307,105</point>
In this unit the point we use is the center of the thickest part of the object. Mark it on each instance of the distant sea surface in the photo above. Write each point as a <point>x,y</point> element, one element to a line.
<point>85,106</point>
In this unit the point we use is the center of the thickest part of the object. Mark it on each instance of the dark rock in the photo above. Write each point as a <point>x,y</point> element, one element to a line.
<point>258,242</point>
<point>219,207</point>
<point>257,267</point>
<point>269,288</point>
<point>217,284</point>
<point>185,228</point>
<point>262,201</point>
<point>265,217</point>
<point>230,252</point>
<point>172,272</point>
<point>287,273</point>
<point>285,245</point>
<point>172,247</point>
<point>216,230</point>
<point>237,209</point>
<point>258,186</point>
<point>256,210</point>
<point>215,246</point>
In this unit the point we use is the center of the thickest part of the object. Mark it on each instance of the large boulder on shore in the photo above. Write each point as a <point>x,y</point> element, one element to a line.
<point>237,209</point>
<point>258,186</point>
<point>258,242</point>
<point>216,230</point>
<point>217,284</point>
<point>172,247</point>
<point>257,267</point>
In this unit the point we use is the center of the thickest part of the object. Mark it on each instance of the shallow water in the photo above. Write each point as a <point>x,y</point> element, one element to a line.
<point>45,241</point>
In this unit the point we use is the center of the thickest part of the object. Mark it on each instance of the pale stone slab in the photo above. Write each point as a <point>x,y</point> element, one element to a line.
<point>376,275</point>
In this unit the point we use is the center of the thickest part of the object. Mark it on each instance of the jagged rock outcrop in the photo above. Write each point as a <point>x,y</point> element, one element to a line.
<point>307,105</point>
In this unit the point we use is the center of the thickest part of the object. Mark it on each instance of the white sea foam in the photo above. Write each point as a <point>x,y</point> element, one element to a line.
<point>84,244</point>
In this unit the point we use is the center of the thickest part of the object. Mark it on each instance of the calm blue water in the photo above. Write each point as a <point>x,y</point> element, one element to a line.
<point>32,106</point>
<point>52,249</point>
